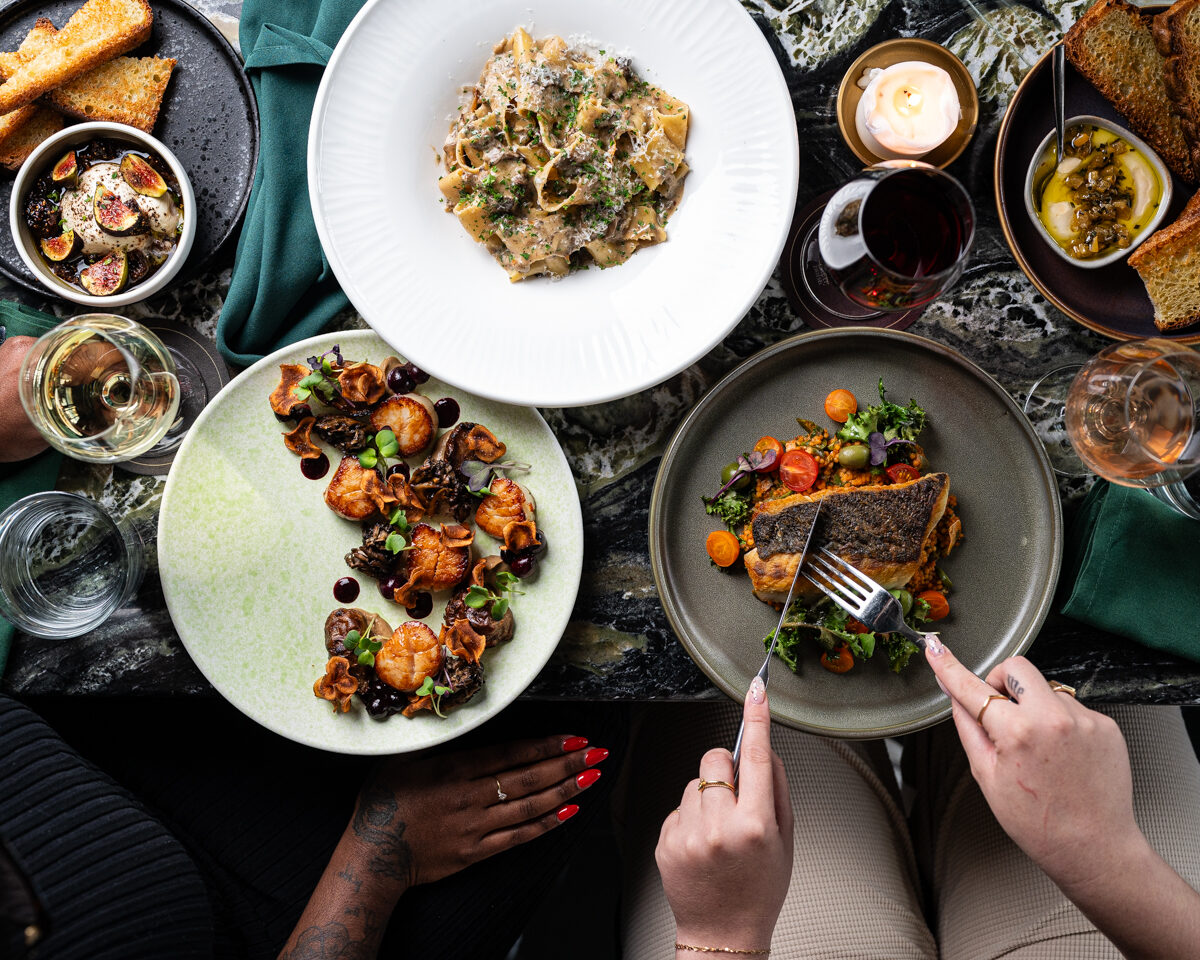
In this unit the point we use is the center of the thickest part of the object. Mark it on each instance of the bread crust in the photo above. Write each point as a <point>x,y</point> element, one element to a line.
<point>95,33</point>
<point>1113,46</point>
<point>1169,264</point>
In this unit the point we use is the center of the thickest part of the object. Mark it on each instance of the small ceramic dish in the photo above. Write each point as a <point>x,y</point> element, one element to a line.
<point>1120,253</point>
<point>39,164</point>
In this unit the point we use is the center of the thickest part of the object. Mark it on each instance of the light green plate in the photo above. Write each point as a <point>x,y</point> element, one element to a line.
<point>248,555</point>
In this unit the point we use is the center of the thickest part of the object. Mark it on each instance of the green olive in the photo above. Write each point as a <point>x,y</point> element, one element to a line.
<point>905,598</point>
<point>727,475</point>
<point>854,455</point>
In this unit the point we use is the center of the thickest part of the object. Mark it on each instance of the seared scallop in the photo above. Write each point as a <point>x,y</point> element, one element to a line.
<point>355,492</point>
<point>431,564</point>
<point>410,655</point>
<point>410,416</point>
<point>508,503</point>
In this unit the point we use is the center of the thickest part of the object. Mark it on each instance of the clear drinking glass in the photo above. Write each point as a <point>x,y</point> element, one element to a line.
<point>1131,414</point>
<point>892,239</point>
<point>65,564</point>
<point>100,387</point>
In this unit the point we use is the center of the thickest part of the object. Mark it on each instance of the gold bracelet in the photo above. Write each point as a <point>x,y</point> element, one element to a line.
<point>749,953</point>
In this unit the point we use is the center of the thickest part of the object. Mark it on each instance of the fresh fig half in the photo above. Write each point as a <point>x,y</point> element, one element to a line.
<point>113,213</point>
<point>141,176</point>
<point>66,171</point>
<point>106,277</point>
<point>60,247</point>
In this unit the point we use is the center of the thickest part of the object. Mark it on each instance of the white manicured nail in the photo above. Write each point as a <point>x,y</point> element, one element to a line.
<point>758,690</point>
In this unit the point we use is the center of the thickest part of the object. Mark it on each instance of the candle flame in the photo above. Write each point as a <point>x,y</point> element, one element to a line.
<point>908,101</point>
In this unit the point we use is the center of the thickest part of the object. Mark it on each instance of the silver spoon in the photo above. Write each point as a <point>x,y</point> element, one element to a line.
<point>1058,62</point>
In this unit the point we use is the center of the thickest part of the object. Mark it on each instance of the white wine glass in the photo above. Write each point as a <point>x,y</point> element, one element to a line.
<point>100,388</point>
<point>1131,415</point>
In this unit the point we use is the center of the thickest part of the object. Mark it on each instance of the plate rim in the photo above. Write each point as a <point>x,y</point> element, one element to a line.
<point>1002,212</point>
<point>596,393</point>
<point>352,746</point>
<point>658,495</point>
<point>189,269</point>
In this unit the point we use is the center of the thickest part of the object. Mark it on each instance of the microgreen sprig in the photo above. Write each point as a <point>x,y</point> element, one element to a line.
<point>322,380</point>
<point>437,691</point>
<point>479,474</point>
<point>380,447</point>
<point>397,541</point>
<point>365,647</point>
<point>479,597</point>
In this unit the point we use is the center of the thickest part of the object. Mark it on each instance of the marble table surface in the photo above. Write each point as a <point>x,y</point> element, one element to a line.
<point>618,644</point>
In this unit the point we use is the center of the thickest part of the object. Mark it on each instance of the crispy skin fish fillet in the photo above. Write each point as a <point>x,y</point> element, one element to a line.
<point>880,529</point>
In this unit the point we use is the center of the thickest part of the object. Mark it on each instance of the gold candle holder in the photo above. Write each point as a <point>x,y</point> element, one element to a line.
<point>886,54</point>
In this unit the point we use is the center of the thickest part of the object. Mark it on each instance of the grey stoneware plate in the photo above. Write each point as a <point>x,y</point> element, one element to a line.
<point>1004,571</point>
<point>209,120</point>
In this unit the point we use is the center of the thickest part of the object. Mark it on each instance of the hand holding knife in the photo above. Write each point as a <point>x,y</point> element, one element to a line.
<point>766,664</point>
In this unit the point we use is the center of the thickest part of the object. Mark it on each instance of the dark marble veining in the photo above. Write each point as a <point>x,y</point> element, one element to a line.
<point>619,644</point>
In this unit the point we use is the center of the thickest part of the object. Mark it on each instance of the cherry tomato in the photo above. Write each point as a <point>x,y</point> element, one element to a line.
<point>798,470</point>
<point>766,444</point>
<point>839,661</point>
<point>939,606</point>
<point>900,472</point>
<point>840,405</point>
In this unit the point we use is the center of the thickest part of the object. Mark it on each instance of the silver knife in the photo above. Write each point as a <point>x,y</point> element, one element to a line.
<point>766,664</point>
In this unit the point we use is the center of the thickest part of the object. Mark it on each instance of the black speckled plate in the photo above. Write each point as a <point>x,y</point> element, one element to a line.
<point>1111,300</point>
<point>209,118</point>
<point>1004,572</point>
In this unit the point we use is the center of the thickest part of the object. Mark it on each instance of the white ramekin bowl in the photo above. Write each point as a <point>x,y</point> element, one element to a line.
<point>39,162</point>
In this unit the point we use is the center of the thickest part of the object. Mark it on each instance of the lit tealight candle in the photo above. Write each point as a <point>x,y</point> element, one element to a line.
<point>906,110</point>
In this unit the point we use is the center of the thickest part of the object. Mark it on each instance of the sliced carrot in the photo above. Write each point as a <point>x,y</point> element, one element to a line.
<point>839,661</point>
<point>939,606</point>
<point>856,626</point>
<point>722,547</point>
<point>840,405</point>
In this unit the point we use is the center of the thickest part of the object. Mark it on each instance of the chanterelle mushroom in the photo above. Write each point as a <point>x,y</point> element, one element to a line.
<point>468,441</point>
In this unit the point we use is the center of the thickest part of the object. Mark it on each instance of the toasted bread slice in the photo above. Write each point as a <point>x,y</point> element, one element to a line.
<point>96,33</point>
<point>1177,35</point>
<point>20,144</point>
<point>1169,264</point>
<point>14,120</point>
<point>125,90</point>
<point>1113,46</point>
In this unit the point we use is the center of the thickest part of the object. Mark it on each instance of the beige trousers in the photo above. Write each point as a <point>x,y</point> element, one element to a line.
<point>868,886</point>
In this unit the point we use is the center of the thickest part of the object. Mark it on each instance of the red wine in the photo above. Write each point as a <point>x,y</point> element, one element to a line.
<point>912,225</point>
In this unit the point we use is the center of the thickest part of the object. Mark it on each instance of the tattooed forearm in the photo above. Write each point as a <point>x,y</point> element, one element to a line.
<point>330,941</point>
<point>347,873</point>
<point>377,825</point>
<point>1014,686</point>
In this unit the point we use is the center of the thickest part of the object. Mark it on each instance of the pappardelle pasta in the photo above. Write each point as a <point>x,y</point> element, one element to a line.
<point>564,157</point>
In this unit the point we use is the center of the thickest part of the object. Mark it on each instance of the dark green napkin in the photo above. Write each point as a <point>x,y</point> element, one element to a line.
<point>1132,567</point>
<point>25,476</point>
<point>282,289</point>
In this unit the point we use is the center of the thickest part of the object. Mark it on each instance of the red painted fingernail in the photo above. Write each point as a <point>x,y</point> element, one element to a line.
<point>587,778</point>
<point>567,812</point>
<point>594,756</point>
<point>574,743</point>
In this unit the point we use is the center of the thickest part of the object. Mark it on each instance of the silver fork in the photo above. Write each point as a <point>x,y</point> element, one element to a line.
<point>858,594</point>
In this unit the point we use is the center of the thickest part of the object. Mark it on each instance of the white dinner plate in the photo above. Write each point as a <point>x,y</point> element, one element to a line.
<point>380,118</point>
<point>248,553</point>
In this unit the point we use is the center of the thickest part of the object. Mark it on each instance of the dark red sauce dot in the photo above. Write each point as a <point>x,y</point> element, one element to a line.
<point>422,608</point>
<point>389,586</point>
<point>398,468</point>
<point>345,590</point>
<point>447,411</point>
<point>315,467</point>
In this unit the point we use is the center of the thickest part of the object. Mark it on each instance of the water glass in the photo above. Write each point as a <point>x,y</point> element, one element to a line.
<point>65,564</point>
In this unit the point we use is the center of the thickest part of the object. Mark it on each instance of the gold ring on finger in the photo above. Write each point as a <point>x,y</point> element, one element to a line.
<point>705,784</point>
<point>500,794</point>
<point>987,703</point>
<point>1062,688</point>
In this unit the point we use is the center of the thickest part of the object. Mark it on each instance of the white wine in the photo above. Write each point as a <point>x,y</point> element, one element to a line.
<point>1131,413</point>
<point>100,388</point>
